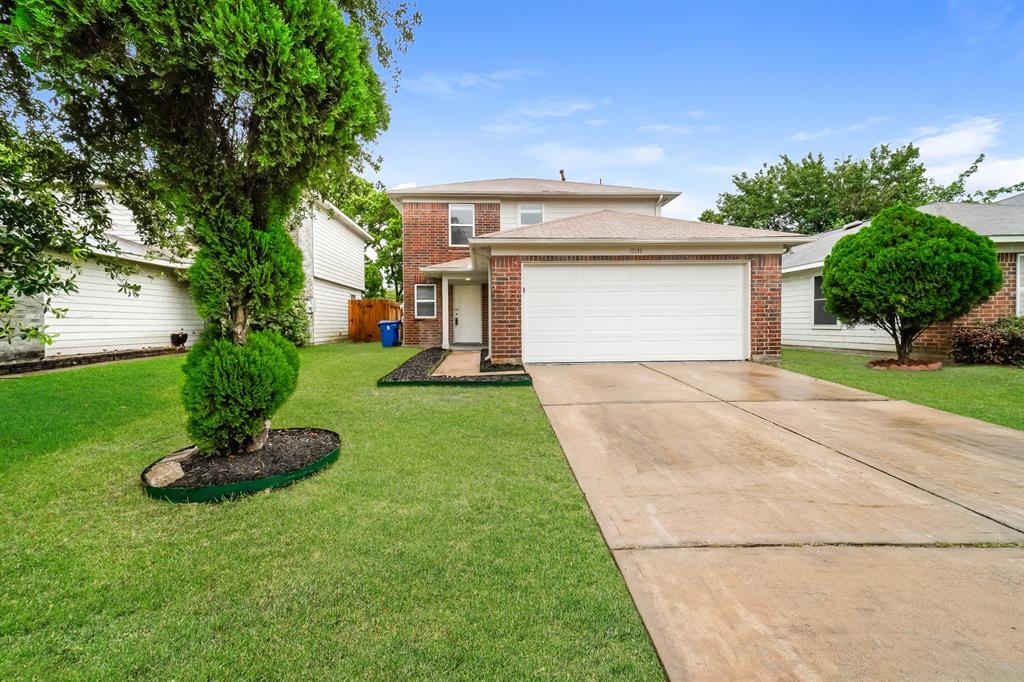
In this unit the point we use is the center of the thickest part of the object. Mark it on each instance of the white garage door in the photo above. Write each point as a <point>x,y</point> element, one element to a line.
<point>630,312</point>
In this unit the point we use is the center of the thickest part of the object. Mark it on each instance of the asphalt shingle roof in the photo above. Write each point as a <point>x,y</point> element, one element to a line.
<point>530,187</point>
<point>617,226</point>
<point>1001,219</point>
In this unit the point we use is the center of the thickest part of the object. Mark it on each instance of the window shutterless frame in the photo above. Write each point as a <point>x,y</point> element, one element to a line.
<point>530,214</point>
<point>822,317</point>
<point>461,224</point>
<point>425,302</point>
<point>1020,283</point>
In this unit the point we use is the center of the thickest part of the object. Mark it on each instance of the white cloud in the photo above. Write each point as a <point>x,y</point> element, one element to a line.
<point>553,108</point>
<point>597,122</point>
<point>455,84</point>
<point>947,152</point>
<point>966,138</point>
<point>677,129</point>
<point>804,135</point>
<point>525,118</point>
<point>583,159</point>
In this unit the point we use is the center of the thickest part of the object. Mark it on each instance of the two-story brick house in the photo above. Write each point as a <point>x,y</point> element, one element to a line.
<point>554,271</point>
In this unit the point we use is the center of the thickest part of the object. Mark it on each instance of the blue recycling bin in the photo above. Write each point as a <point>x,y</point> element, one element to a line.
<point>389,332</point>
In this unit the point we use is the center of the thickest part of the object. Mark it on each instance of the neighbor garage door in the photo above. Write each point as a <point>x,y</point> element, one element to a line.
<point>630,312</point>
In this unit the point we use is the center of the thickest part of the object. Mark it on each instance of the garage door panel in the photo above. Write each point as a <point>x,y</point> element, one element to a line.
<point>628,312</point>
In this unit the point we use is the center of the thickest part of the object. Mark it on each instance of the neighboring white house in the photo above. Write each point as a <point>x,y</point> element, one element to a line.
<point>101,319</point>
<point>806,322</point>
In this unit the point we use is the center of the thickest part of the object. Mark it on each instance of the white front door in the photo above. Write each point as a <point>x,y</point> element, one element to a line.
<point>467,321</point>
<point>631,312</point>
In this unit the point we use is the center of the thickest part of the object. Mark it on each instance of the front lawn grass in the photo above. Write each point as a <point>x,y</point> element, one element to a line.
<point>449,541</point>
<point>987,392</point>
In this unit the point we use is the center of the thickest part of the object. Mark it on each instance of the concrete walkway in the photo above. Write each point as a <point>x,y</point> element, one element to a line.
<point>464,363</point>
<point>774,526</point>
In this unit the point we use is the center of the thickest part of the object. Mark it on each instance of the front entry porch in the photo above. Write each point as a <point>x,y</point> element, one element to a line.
<point>464,303</point>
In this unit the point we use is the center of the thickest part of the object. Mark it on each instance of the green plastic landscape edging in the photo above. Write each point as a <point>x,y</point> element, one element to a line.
<point>218,493</point>
<point>381,383</point>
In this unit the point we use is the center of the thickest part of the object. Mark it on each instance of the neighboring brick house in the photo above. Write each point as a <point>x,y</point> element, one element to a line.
<point>806,323</point>
<point>555,271</point>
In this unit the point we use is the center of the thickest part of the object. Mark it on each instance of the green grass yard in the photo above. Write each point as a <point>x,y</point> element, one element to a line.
<point>449,541</point>
<point>991,393</point>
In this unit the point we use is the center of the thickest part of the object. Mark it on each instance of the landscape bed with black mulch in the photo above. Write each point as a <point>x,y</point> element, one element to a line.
<point>289,454</point>
<point>487,366</point>
<point>418,371</point>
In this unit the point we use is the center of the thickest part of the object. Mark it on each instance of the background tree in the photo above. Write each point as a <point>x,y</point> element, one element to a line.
<point>812,196</point>
<point>234,105</point>
<point>907,271</point>
<point>369,206</point>
<point>53,201</point>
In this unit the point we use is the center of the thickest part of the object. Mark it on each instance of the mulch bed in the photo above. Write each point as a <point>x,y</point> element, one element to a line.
<point>76,360</point>
<point>909,366</point>
<point>287,450</point>
<point>488,366</point>
<point>418,371</point>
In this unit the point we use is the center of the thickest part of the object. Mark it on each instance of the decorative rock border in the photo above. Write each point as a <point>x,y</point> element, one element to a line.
<point>418,371</point>
<point>158,477</point>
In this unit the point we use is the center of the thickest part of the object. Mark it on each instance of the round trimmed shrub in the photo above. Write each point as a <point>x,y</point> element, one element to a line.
<point>231,389</point>
<point>906,271</point>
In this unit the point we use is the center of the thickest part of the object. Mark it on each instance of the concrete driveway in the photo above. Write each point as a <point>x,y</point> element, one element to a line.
<point>774,526</point>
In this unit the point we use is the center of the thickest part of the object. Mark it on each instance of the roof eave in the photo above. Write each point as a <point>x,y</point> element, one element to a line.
<point>778,241</point>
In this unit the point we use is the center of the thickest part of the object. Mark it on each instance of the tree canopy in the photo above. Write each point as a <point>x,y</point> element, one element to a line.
<point>812,195</point>
<point>369,206</point>
<point>230,106</point>
<point>906,271</point>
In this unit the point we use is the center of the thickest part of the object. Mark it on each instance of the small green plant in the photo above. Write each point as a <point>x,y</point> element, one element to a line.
<point>292,323</point>
<point>907,271</point>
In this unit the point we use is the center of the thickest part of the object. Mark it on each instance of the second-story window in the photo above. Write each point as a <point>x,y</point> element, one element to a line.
<point>531,214</point>
<point>460,224</point>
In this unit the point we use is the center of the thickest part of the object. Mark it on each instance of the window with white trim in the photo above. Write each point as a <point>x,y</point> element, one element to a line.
<point>822,316</point>
<point>531,214</point>
<point>426,301</point>
<point>1020,283</point>
<point>461,222</point>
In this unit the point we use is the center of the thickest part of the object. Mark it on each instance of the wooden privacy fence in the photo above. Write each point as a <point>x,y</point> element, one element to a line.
<point>365,313</point>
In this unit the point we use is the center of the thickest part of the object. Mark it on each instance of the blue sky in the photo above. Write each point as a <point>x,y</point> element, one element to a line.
<point>680,95</point>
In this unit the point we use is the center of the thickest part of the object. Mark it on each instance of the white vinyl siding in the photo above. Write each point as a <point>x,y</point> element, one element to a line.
<point>798,328</point>
<point>330,311</point>
<point>337,253</point>
<point>566,208</point>
<point>101,319</point>
<point>633,312</point>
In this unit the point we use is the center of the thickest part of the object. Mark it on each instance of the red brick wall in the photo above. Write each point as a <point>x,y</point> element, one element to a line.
<point>425,242</point>
<point>935,339</point>
<point>765,299</point>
